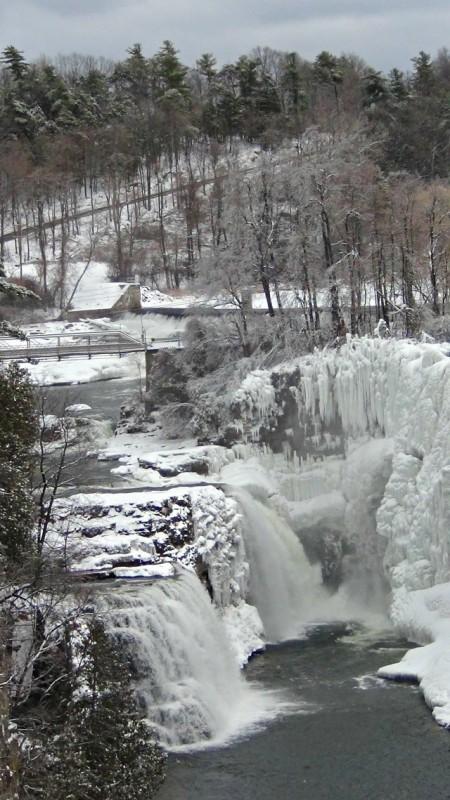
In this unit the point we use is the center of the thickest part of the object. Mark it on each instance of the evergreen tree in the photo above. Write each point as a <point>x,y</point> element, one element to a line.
<point>18,433</point>
<point>135,72</point>
<point>291,83</point>
<point>15,62</point>
<point>375,89</point>
<point>206,66</point>
<point>91,101</point>
<point>327,72</point>
<point>169,72</point>
<point>228,102</point>
<point>423,76</point>
<point>104,750</point>
<point>397,85</point>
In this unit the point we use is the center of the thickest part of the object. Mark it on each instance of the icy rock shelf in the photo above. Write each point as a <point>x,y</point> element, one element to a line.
<point>187,651</point>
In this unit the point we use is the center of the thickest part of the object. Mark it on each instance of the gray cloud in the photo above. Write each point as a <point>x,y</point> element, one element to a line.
<point>384,32</point>
<point>64,8</point>
<point>323,9</point>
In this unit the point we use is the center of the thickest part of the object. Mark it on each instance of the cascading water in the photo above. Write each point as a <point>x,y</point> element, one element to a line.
<point>187,678</point>
<point>283,585</point>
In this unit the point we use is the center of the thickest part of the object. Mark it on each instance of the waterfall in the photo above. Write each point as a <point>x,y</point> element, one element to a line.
<point>283,585</point>
<point>187,679</point>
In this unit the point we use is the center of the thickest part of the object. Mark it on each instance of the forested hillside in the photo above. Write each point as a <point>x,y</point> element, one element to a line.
<point>243,245</point>
<point>277,173</point>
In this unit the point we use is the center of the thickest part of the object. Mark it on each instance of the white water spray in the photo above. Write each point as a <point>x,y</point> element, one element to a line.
<point>188,680</point>
<point>283,585</point>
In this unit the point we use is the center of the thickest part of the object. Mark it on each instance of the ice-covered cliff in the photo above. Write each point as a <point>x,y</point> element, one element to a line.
<point>367,428</point>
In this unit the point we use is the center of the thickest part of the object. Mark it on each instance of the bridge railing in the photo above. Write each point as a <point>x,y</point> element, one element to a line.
<point>81,343</point>
<point>155,342</point>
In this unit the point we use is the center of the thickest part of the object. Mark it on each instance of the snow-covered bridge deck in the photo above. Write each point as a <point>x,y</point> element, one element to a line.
<point>39,346</point>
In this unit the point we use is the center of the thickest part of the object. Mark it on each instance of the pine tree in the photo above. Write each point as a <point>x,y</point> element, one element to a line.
<point>137,72</point>
<point>375,89</point>
<point>18,432</point>
<point>327,71</point>
<point>291,83</point>
<point>15,62</point>
<point>397,85</point>
<point>206,66</point>
<point>104,750</point>
<point>169,72</point>
<point>423,75</point>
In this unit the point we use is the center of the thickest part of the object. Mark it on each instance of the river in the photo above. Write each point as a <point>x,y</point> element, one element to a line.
<point>354,737</point>
<point>348,736</point>
<point>104,399</point>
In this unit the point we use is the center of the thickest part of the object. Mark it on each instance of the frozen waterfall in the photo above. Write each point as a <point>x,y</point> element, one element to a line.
<point>384,405</point>
<point>187,678</point>
<point>283,585</point>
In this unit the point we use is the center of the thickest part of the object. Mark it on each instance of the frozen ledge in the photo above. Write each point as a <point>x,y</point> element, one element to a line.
<point>425,615</point>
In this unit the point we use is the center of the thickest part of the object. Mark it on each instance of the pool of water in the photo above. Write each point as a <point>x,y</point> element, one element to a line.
<point>352,737</point>
<point>104,397</point>
<point>83,473</point>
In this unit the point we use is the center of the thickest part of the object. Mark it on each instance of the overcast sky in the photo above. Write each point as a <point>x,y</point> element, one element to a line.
<point>385,33</point>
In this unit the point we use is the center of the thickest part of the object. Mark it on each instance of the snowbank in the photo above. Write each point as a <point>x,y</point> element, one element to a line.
<point>84,370</point>
<point>424,616</point>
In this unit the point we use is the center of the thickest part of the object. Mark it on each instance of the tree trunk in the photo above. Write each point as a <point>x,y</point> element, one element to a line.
<point>266,289</point>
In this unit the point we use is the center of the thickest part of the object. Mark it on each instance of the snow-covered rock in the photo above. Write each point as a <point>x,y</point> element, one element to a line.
<point>423,616</point>
<point>201,460</point>
<point>99,532</point>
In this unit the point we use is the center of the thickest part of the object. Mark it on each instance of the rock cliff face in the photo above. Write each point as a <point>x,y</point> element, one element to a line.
<point>155,534</point>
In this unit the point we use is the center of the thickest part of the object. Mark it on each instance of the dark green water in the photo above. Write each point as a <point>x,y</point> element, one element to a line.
<point>372,743</point>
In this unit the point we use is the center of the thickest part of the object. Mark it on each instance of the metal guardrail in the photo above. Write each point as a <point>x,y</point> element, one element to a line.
<point>82,344</point>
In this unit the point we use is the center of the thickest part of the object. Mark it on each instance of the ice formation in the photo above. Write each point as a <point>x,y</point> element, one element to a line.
<point>424,616</point>
<point>388,495</point>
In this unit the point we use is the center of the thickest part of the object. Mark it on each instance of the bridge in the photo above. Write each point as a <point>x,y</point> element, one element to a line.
<point>39,346</point>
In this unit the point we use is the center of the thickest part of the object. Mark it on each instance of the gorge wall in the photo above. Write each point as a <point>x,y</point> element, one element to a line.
<point>342,455</point>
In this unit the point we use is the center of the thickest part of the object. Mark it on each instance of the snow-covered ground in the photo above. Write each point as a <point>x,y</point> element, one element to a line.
<point>83,370</point>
